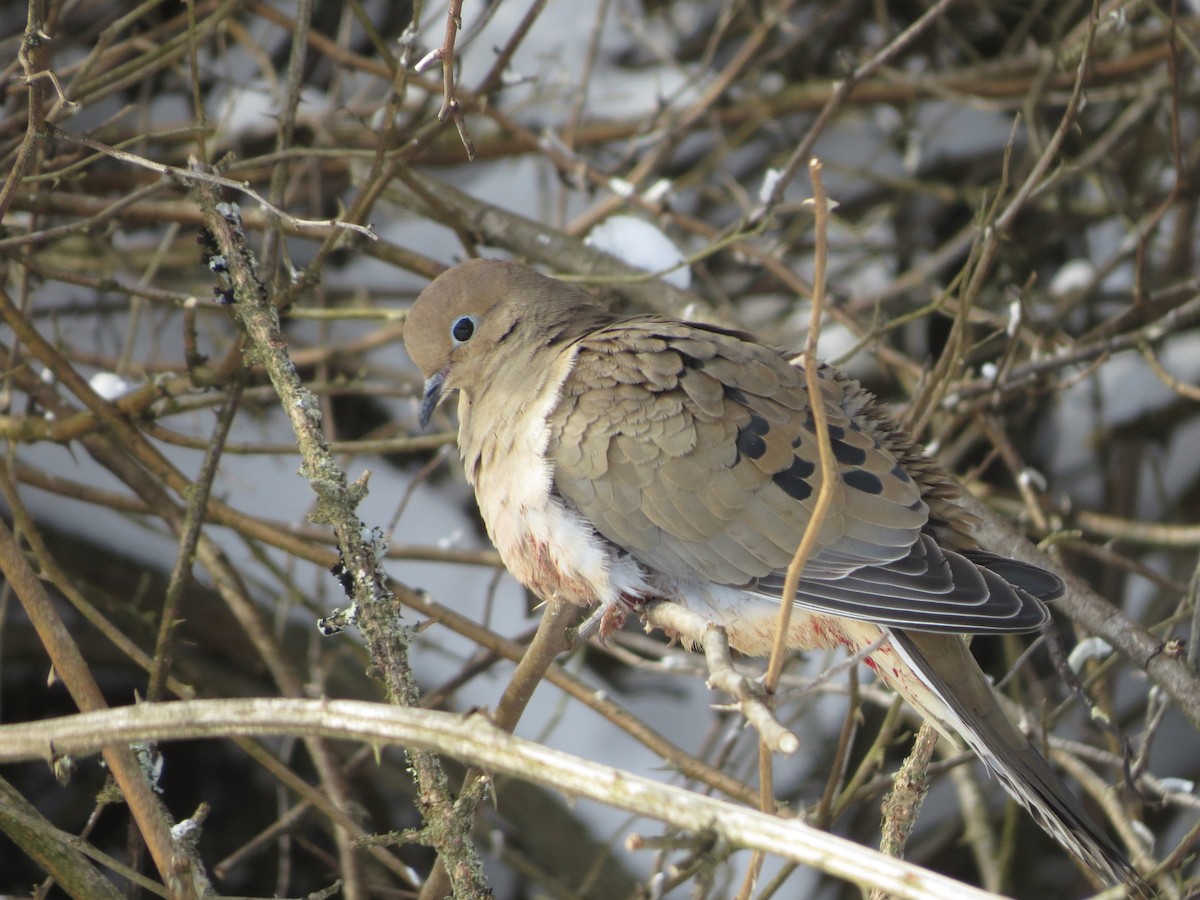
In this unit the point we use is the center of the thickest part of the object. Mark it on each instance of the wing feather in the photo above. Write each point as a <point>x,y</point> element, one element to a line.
<point>694,451</point>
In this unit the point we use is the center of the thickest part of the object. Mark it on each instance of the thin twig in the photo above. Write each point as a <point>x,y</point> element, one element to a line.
<point>451,108</point>
<point>194,175</point>
<point>828,469</point>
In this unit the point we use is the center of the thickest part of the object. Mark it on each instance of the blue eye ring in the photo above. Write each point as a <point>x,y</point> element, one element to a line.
<point>463,329</point>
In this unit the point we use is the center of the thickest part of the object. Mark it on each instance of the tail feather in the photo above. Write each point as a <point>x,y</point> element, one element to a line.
<point>972,710</point>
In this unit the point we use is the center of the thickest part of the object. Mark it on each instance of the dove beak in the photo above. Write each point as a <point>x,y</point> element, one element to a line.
<point>432,396</point>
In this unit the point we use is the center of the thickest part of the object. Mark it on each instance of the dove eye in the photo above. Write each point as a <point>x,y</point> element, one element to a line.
<point>462,329</point>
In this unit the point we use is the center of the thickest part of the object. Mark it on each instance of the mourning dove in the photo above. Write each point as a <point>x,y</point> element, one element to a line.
<point>617,460</point>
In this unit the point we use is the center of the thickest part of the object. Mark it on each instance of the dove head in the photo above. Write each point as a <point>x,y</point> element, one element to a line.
<point>482,320</point>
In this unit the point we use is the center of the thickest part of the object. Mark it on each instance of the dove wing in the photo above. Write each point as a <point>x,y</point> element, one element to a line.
<point>693,450</point>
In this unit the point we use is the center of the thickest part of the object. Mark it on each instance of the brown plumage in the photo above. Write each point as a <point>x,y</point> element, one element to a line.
<point>621,459</point>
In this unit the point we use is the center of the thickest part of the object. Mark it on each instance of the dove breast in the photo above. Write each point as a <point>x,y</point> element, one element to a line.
<point>545,542</point>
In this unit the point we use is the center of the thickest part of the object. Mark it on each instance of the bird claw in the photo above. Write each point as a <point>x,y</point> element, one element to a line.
<point>604,621</point>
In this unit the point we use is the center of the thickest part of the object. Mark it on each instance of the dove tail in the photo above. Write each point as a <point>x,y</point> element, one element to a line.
<point>971,708</point>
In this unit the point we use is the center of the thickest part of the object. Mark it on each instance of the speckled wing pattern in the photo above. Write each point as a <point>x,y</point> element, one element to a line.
<point>693,449</point>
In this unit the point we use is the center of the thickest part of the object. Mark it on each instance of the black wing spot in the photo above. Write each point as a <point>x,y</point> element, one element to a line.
<point>850,456</point>
<point>836,432</point>
<point>792,480</point>
<point>898,471</point>
<point>863,481</point>
<point>750,441</point>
